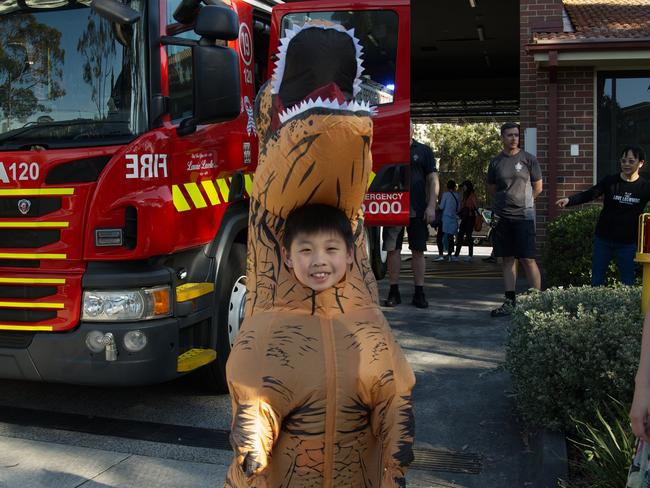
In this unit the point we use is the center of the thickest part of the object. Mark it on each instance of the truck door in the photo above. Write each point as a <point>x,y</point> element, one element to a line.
<point>383,28</point>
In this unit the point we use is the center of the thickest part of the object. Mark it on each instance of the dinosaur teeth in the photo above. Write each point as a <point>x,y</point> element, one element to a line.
<point>329,104</point>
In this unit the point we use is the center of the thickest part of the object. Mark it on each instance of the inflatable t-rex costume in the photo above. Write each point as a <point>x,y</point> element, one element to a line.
<point>321,391</point>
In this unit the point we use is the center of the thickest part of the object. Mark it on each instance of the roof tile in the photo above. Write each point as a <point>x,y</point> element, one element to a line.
<point>604,19</point>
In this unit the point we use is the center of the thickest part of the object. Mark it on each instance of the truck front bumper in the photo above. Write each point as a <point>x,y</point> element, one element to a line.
<point>64,357</point>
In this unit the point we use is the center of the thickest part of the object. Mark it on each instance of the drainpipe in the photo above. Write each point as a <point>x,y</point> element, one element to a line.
<point>552,134</point>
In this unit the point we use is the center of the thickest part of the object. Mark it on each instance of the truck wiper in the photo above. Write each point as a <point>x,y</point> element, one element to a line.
<point>35,126</point>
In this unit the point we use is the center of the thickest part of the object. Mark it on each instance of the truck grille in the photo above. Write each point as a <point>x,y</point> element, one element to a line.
<point>29,238</point>
<point>41,239</point>
<point>39,207</point>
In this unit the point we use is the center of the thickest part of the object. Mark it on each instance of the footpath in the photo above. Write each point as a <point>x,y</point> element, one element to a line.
<point>466,432</point>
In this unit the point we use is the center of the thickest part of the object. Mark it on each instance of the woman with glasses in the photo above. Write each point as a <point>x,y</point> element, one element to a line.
<point>625,196</point>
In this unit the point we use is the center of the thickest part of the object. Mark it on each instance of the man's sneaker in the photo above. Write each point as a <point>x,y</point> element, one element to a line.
<point>454,258</point>
<point>393,300</point>
<point>420,301</point>
<point>504,310</point>
<point>490,259</point>
<point>468,259</point>
<point>439,258</point>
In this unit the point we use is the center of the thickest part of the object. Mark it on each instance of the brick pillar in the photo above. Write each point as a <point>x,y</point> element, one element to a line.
<point>537,16</point>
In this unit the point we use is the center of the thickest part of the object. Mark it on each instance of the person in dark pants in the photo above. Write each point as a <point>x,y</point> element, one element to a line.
<point>423,197</point>
<point>468,212</point>
<point>625,195</point>
<point>514,181</point>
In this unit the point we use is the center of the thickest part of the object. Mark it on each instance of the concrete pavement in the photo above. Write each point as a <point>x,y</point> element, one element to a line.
<point>464,415</point>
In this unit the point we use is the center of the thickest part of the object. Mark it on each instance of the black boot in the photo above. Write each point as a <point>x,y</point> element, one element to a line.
<point>394,298</point>
<point>419,300</point>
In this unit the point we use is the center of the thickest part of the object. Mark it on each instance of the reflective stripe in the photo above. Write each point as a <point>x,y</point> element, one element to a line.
<point>371,177</point>
<point>195,195</point>
<point>31,305</point>
<point>33,281</point>
<point>189,291</point>
<point>34,225</point>
<point>223,188</point>
<point>21,255</point>
<point>194,358</point>
<point>41,192</point>
<point>26,327</point>
<point>180,202</point>
<point>211,191</point>
<point>248,183</point>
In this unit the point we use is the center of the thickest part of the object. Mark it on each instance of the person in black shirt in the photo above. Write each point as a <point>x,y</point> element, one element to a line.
<point>625,197</point>
<point>423,196</point>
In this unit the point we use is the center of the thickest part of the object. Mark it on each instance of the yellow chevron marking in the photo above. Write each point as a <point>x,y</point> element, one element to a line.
<point>22,255</point>
<point>223,188</point>
<point>195,195</point>
<point>195,358</point>
<point>33,281</point>
<point>41,192</point>
<point>211,191</point>
<point>31,305</point>
<point>371,177</point>
<point>248,183</point>
<point>180,202</point>
<point>26,328</point>
<point>189,291</point>
<point>33,225</point>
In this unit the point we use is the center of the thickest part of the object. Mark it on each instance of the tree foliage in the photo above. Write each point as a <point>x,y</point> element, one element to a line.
<point>31,66</point>
<point>463,151</point>
<point>97,46</point>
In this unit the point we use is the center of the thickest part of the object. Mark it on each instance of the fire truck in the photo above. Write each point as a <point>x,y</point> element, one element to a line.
<point>127,151</point>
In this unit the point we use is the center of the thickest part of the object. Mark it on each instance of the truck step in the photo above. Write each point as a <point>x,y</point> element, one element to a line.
<point>194,359</point>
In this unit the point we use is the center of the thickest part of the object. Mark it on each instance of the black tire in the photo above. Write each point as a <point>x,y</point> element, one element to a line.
<point>379,266</point>
<point>230,276</point>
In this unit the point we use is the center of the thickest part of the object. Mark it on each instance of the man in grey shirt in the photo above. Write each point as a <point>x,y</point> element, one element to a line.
<point>514,181</point>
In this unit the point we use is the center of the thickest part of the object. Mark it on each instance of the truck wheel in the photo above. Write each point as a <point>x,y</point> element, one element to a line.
<point>228,313</point>
<point>376,254</point>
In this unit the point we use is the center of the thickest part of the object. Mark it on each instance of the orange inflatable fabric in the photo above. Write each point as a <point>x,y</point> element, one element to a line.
<point>321,391</point>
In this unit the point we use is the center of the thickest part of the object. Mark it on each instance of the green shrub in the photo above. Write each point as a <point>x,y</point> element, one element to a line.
<point>566,257</point>
<point>569,348</point>
<point>606,447</point>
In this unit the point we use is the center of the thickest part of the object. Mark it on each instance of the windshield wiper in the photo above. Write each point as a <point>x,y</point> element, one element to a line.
<point>35,126</point>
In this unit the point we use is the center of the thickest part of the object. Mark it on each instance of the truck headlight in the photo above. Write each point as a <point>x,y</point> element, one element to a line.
<point>126,305</point>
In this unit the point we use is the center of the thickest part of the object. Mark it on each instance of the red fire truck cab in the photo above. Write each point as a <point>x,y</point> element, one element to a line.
<point>127,149</point>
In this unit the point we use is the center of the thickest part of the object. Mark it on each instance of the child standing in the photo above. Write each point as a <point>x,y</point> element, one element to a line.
<point>321,396</point>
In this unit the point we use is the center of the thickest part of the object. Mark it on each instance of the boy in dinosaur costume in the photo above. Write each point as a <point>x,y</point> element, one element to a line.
<point>321,390</point>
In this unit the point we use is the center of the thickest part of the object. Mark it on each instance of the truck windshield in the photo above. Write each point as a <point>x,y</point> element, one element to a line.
<point>69,77</point>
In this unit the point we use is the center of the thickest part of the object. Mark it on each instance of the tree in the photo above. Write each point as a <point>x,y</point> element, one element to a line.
<point>31,67</point>
<point>97,46</point>
<point>463,151</point>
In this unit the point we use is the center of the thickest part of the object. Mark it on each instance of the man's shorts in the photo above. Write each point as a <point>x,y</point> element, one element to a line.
<point>514,238</point>
<point>418,233</point>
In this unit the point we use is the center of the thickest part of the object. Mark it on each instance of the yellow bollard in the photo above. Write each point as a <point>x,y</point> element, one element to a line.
<point>643,257</point>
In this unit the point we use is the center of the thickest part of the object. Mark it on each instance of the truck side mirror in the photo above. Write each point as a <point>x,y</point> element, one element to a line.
<point>216,84</point>
<point>215,75</point>
<point>217,22</point>
<point>116,12</point>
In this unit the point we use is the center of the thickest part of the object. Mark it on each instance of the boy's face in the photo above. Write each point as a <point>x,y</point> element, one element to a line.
<point>319,260</point>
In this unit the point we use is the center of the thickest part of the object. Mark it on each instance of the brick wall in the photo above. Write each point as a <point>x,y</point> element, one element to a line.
<point>574,107</point>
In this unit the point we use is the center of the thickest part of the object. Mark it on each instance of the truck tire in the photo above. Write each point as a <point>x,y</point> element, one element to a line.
<point>375,252</point>
<point>228,310</point>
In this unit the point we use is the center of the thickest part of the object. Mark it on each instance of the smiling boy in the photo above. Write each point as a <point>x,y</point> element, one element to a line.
<point>318,250</point>
<point>321,394</point>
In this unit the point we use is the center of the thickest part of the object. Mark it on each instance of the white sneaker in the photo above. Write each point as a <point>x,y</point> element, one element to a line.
<point>439,258</point>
